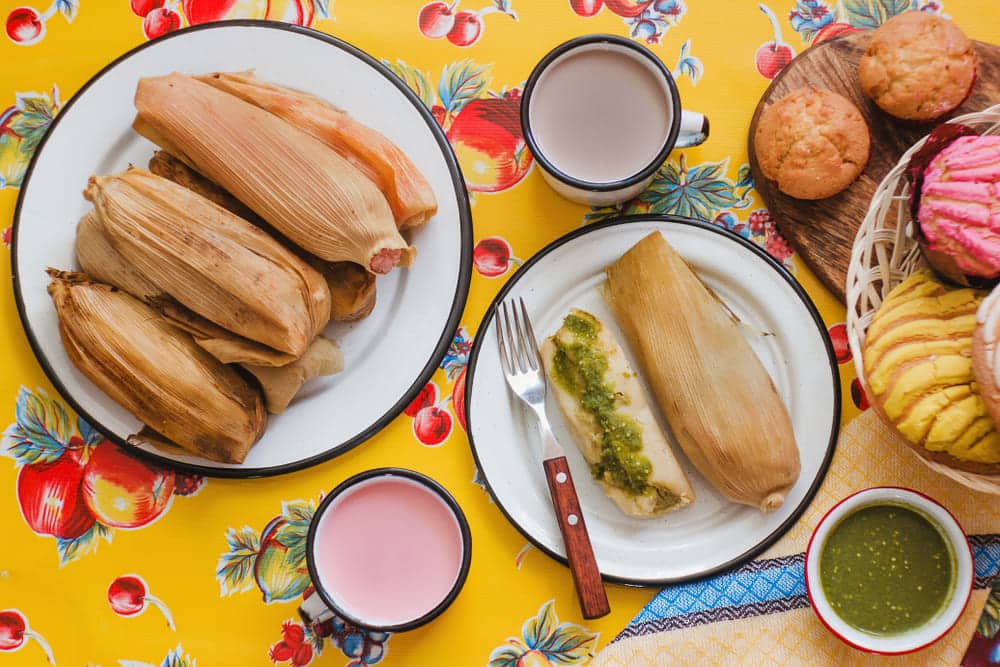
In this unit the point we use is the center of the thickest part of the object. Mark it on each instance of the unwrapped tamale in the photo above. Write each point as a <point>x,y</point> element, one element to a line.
<point>296,183</point>
<point>610,419</point>
<point>155,371</point>
<point>409,194</point>
<point>213,262</point>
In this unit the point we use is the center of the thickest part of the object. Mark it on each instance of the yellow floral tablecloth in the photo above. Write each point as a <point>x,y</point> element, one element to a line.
<point>109,561</point>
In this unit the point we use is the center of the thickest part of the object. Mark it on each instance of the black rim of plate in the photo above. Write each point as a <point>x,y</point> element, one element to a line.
<point>458,301</point>
<point>430,485</point>
<point>771,538</point>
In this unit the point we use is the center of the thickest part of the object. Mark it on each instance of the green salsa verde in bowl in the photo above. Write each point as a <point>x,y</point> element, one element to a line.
<point>888,570</point>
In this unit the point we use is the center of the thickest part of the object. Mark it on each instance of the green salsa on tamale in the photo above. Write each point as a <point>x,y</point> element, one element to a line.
<point>611,420</point>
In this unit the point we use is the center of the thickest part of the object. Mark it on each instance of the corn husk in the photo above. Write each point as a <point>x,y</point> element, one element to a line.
<point>104,264</point>
<point>280,385</point>
<point>352,288</point>
<point>173,169</point>
<point>568,357</point>
<point>211,261</point>
<point>156,371</point>
<point>293,181</point>
<point>721,404</point>
<point>409,194</point>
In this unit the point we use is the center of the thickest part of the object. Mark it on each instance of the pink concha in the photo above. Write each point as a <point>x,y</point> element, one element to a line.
<point>959,211</point>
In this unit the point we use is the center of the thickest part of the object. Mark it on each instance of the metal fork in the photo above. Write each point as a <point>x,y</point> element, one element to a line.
<point>522,366</point>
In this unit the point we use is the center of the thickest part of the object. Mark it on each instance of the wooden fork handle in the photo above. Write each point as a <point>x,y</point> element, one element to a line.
<point>583,565</point>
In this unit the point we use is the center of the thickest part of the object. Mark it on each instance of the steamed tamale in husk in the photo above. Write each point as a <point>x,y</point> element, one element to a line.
<point>155,371</point>
<point>292,180</point>
<point>280,374</point>
<point>211,261</point>
<point>103,263</point>
<point>721,404</point>
<point>352,288</point>
<point>409,194</point>
<point>610,419</point>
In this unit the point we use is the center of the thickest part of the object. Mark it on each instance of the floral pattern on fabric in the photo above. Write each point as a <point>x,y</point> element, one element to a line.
<point>546,641</point>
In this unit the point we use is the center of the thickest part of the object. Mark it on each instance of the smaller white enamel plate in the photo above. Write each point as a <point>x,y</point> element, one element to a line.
<point>712,534</point>
<point>388,356</point>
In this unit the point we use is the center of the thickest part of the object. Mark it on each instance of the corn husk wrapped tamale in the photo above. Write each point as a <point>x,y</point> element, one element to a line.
<point>155,371</point>
<point>296,183</point>
<point>721,404</point>
<point>280,385</point>
<point>409,194</point>
<point>352,288</point>
<point>103,263</point>
<point>169,167</point>
<point>610,419</point>
<point>211,261</point>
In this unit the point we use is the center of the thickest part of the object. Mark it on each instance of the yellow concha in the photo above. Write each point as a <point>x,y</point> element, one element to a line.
<point>919,371</point>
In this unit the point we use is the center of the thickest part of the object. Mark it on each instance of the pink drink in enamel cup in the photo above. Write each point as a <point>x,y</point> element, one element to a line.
<point>389,549</point>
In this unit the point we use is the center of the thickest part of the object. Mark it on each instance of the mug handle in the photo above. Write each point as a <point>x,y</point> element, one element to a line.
<point>694,129</point>
<point>313,611</point>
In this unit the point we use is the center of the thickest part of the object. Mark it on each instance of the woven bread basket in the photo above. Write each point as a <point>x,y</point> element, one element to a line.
<point>885,253</point>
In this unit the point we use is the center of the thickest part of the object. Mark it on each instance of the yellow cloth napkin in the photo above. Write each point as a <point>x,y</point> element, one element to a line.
<point>771,622</point>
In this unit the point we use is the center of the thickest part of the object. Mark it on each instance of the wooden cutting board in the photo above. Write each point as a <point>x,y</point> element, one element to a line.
<point>823,231</point>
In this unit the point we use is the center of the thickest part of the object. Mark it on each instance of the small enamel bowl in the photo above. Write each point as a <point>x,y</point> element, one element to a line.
<point>910,640</point>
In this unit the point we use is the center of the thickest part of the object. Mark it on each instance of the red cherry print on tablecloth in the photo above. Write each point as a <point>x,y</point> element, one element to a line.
<point>771,57</point>
<point>427,397</point>
<point>432,423</point>
<point>838,336</point>
<point>493,257</point>
<point>467,29</point>
<point>14,631</point>
<point>124,492</point>
<point>129,595</point>
<point>432,426</point>
<point>51,497</point>
<point>586,8</point>
<point>25,25</point>
<point>858,394</point>
<point>160,21</point>
<point>142,8</point>
<point>436,19</point>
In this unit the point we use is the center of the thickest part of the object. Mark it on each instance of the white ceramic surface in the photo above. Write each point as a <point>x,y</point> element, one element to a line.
<point>388,355</point>
<point>919,637</point>
<point>712,533</point>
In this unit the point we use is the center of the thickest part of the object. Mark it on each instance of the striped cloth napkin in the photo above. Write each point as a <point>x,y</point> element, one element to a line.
<point>759,613</point>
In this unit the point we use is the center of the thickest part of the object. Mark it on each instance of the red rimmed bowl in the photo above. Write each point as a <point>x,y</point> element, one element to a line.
<point>938,625</point>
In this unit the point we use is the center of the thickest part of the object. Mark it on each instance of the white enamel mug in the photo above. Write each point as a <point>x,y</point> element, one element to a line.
<point>600,114</point>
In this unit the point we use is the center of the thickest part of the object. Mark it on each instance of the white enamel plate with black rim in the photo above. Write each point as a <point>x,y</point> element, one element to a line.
<point>389,356</point>
<point>712,534</point>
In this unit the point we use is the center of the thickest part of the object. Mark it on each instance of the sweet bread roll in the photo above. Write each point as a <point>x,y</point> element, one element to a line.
<point>919,373</point>
<point>812,143</point>
<point>918,66</point>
